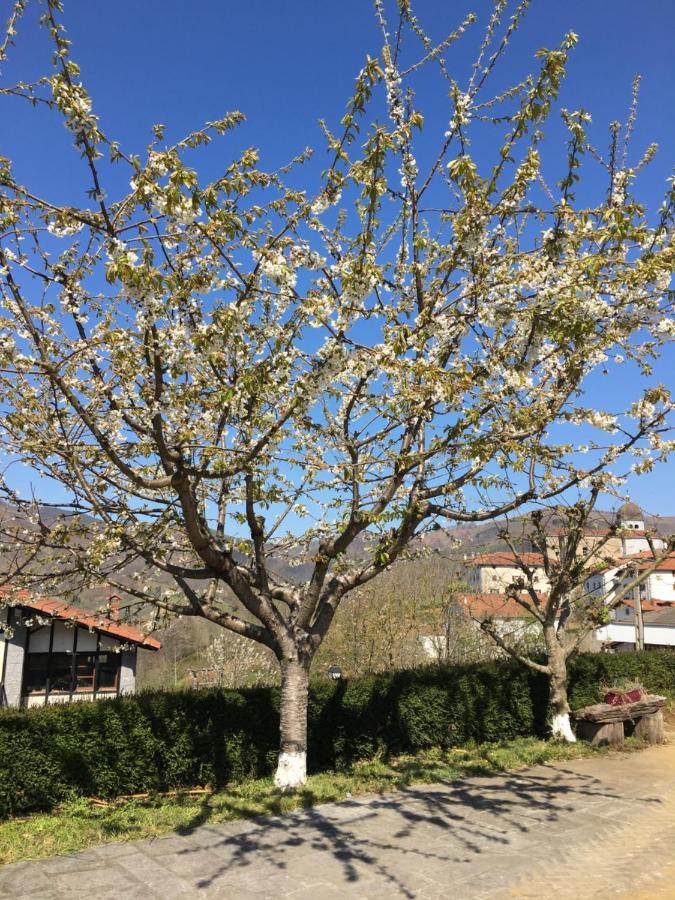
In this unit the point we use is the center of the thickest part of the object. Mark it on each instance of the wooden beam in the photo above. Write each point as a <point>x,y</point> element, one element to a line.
<point>605,712</point>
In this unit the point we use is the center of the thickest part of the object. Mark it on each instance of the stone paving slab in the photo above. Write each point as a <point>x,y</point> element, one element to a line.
<point>580,829</point>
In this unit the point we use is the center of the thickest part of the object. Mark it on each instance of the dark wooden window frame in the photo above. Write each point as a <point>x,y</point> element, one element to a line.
<point>96,690</point>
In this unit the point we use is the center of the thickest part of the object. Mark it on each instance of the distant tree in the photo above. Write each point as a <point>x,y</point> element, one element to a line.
<point>458,639</point>
<point>184,641</point>
<point>567,613</point>
<point>234,662</point>
<point>200,366</point>
<point>381,626</point>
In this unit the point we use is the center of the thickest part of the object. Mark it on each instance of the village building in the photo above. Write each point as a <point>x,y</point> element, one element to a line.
<point>655,596</point>
<point>631,538</point>
<point>51,652</point>
<point>494,573</point>
<point>658,587</point>
<point>512,621</point>
<point>612,561</point>
<point>660,584</point>
<point>634,536</point>
<point>597,543</point>
<point>658,628</point>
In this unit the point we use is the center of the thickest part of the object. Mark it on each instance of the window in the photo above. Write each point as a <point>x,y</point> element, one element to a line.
<point>63,674</point>
<point>60,672</point>
<point>108,671</point>
<point>85,670</point>
<point>36,672</point>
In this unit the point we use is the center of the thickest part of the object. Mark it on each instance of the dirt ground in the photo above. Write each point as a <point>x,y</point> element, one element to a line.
<point>637,860</point>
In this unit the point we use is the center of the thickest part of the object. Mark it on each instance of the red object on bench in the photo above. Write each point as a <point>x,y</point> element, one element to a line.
<point>617,698</point>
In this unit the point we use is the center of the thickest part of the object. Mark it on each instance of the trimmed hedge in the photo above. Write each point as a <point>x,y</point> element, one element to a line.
<point>158,741</point>
<point>655,669</point>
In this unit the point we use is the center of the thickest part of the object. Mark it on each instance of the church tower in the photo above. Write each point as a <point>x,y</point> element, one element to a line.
<point>630,516</point>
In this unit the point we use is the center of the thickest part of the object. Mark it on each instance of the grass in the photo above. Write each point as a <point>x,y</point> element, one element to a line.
<point>80,822</point>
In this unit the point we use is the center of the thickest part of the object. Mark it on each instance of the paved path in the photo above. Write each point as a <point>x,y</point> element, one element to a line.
<point>589,828</point>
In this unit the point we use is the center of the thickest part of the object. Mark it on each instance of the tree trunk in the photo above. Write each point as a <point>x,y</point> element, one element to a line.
<point>292,767</point>
<point>560,722</point>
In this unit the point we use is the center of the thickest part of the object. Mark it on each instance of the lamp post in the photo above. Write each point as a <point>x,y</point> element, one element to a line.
<point>335,672</point>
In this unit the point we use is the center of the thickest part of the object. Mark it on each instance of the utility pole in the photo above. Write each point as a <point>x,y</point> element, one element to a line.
<point>639,621</point>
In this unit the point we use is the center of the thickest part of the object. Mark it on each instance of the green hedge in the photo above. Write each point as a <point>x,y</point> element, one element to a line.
<point>655,669</point>
<point>159,741</point>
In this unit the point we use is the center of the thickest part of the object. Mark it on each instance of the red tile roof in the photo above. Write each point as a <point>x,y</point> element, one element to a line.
<point>87,618</point>
<point>649,605</point>
<point>645,558</point>
<point>498,606</point>
<point>506,559</point>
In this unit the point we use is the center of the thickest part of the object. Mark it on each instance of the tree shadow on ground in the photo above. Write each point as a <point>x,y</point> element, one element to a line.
<point>396,838</point>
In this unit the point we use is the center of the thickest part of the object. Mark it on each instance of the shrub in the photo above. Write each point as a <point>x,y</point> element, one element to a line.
<point>159,741</point>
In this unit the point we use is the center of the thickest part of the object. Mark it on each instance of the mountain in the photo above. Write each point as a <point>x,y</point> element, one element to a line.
<point>453,543</point>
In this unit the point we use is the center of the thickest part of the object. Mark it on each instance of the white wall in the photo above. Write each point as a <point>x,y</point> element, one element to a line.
<point>128,672</point>
<point>39,699</point>
<point>660,586</point>
<point>13,662</point>
<point>496,579</point>
<point>601,584</point>
<point>633,545</point>
<point>655,635</point>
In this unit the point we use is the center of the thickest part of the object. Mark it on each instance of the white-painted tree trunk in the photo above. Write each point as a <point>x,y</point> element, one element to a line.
<point>561,728</point>
<point>291,770</point>
<point>292,765</point>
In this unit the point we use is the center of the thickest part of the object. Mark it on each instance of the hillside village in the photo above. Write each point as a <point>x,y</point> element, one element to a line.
<point>647,619</point>
<point>476,586</point>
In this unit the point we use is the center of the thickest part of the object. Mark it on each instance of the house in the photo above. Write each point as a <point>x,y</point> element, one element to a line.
<point>656,597</point>
<point>658,623</point>
<point>510,617</point>
<point>630,539</point>
<point>493,573</point>
<point>51,652</point>
<point>597,543</point>
<point>511,620</point>
<point>659,586</point>
<point>496,572</point>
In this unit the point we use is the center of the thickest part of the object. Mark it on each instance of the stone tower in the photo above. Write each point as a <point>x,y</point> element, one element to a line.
<point>631,516</point>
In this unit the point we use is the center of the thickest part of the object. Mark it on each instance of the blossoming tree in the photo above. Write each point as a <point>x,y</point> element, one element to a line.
<point>218,373</point>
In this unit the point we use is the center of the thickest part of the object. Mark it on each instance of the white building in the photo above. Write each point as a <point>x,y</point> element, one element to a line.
<point>658,587</point>
<point>54,653</point>
<point>659,629</point>
<point>494,573</point>
<point>633,532</point>
<point>656,596</point>
<point>510,620</point>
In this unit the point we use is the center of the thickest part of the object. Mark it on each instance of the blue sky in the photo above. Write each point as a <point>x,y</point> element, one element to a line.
<point>287,64</point>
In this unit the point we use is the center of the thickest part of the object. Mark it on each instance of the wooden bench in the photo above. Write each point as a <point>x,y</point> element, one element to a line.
<point>604,724</point>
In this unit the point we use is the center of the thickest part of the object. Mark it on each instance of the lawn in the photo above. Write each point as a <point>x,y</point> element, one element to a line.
<point>80,823</point>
